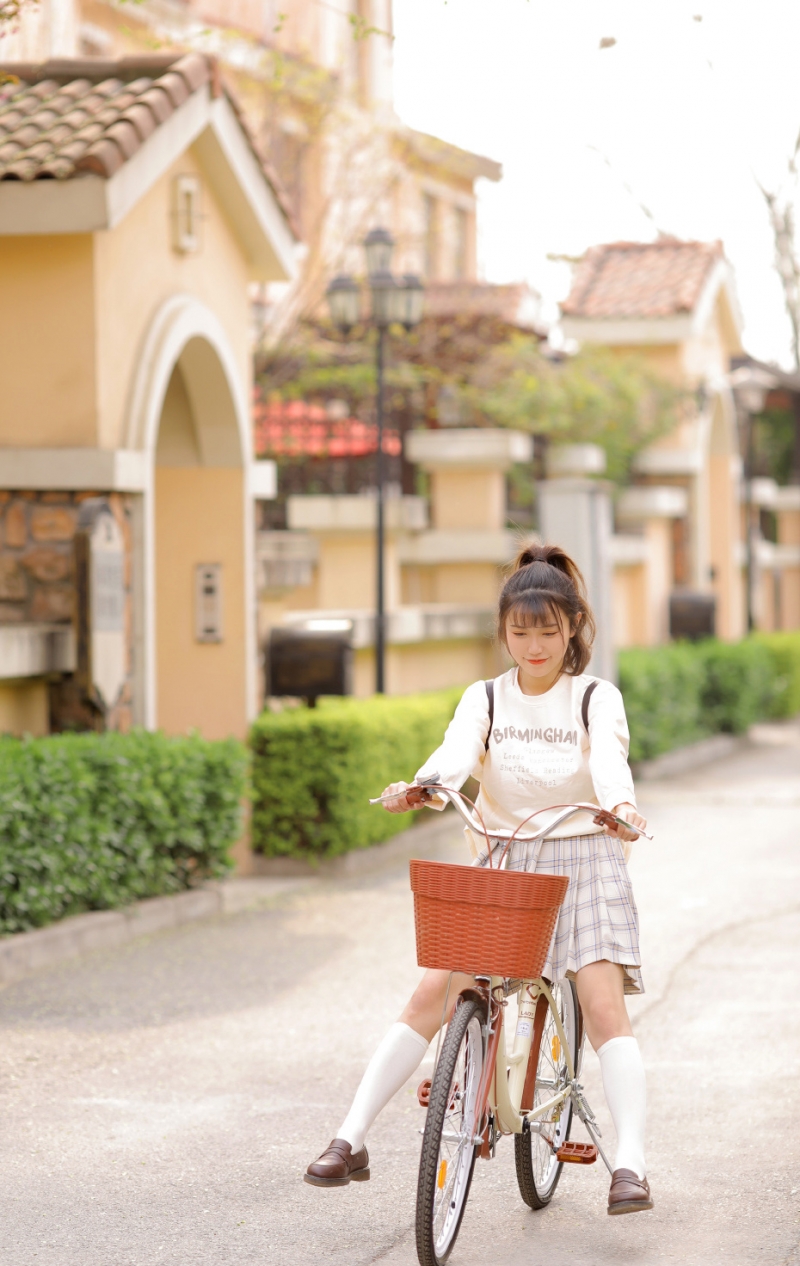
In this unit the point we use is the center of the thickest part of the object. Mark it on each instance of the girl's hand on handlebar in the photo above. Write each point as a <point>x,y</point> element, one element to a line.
<point>399,803</point>
<point>627,812</point>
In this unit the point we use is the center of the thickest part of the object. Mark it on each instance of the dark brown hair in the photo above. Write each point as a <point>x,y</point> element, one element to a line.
<point>545,581</point>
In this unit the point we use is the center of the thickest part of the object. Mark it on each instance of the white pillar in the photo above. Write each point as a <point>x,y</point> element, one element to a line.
<point>576,514</point>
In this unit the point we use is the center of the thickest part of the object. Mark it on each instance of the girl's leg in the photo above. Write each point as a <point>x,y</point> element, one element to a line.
<point>400,1053</point>
<point>602,999</point>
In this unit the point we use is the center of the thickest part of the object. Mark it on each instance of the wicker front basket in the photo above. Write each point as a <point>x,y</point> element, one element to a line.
<point>476,920</point>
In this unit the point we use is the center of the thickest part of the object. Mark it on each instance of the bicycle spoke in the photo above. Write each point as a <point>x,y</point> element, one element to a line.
<point>538,1167</point>
<point>448,1147</point>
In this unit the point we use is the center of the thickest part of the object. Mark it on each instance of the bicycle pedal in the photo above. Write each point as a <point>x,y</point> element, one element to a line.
<point>424,1093</point>
<point>577,1153</point>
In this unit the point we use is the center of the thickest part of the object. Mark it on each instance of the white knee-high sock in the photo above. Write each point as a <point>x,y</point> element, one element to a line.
<point>398,1055</point>
<point>626,1096</point>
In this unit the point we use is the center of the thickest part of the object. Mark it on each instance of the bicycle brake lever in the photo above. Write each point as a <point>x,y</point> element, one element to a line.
<point>423,785</point>
<point>605,818</point>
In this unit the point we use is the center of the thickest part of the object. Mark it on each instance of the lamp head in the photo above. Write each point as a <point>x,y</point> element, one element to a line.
<point>413,301</point>
<point>344,302</point>
<point>378,246</point>
<point>751,385</point>
<point>385,294</point>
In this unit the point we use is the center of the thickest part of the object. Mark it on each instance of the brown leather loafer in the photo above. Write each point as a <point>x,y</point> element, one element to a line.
<point>628,1192</point>
<point>338,1165</point>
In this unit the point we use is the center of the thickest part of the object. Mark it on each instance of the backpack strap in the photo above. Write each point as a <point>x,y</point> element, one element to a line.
<point>585,704</point>
<point>490,696</point>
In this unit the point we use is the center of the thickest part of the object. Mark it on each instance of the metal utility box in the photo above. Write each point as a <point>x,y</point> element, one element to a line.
<point>307,663</point>
<point>692,615</point>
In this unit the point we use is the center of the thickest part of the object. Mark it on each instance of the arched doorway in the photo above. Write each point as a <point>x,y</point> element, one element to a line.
<point>190,414</point>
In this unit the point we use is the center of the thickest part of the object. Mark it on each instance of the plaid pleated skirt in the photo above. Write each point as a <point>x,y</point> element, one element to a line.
<point>598,919</point>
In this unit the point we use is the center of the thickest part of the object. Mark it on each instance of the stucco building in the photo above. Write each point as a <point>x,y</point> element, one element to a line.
<point>135,214</point>
<point>680,526</point>
<point>315,84</point>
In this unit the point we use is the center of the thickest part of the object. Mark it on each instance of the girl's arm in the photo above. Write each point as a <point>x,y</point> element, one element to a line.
<point>608,755</point>
<point>461,751</point>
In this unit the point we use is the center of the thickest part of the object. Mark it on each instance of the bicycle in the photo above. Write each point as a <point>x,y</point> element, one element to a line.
<point>482,1086</point>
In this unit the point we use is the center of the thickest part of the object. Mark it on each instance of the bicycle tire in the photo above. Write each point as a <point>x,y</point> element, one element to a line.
<point>441,1204</point>
<point>538,1171</point>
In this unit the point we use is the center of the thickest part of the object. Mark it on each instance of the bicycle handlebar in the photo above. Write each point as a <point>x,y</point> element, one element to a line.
<point>422,793</point>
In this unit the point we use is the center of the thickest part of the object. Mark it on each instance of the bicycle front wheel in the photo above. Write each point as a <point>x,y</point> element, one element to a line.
<point>538,1170</point>
<point>448,1144</point>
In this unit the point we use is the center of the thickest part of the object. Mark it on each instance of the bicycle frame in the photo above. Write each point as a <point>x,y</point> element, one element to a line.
<point>505,1071</point>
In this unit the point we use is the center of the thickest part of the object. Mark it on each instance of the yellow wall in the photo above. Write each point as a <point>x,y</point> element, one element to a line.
<point>468,499</point>
<point>24,707</point>
<point>136,260</point>
<point>73,362</point>
<point>429,666</point>
<point>477,584</point>
<point>665,359</point>
<point>345,573</point>
<point>660,580</point>
<point>723,523</point>
<point>629,606</point>
<point>47,341</point>
<point>199,519</point>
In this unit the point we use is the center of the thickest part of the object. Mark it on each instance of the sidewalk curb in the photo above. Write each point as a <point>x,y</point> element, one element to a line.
<point>24,953</point>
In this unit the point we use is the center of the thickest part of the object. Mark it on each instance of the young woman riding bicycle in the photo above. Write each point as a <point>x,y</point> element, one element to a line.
<point>535,751</point>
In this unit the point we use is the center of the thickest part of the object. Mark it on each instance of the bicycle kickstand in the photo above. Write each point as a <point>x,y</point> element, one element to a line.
<point>589,1120</point>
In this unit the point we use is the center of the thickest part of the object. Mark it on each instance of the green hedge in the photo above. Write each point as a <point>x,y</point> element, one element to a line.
<point>314,769</point>
<point>680,693</point>
<point>662,689</point>
<point>90,822</point>
<point>784,649</point>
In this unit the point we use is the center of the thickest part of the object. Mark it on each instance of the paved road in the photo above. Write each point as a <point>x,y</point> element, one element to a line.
<point>160,1102</point>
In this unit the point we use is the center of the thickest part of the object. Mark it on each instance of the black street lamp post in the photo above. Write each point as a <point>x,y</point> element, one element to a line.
<point>394,301</point>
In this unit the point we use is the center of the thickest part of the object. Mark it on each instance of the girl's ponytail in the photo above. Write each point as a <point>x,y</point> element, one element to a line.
<point>556,557</point>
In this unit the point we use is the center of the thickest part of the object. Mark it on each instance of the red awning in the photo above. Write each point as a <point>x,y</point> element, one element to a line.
<point>293,428</point>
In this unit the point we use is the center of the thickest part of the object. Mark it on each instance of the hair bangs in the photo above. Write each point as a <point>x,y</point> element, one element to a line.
<point>538,607</point>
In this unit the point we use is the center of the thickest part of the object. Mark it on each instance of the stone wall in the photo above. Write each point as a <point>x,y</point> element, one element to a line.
<point>38,586</point>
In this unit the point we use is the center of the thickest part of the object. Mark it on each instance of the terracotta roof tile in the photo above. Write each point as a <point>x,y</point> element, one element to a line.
<point>641,279</point>
<point>62,118</point>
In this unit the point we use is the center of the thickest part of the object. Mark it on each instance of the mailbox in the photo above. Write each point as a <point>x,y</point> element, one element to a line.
<point>311,661</point>
<point>692,615</point>
<point>100,556</point>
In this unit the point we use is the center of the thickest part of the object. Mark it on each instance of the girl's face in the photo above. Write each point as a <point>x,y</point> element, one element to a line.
<point>539,650</point>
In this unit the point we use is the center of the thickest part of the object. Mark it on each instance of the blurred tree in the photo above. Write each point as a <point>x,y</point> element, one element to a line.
<point>11,9</point>
<point>781,206</point>
<point>468,370</point>
<point>593,397</point>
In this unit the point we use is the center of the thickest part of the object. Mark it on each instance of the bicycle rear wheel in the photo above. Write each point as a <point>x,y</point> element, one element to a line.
<point>538,1170</point>
<point>448,1144</point>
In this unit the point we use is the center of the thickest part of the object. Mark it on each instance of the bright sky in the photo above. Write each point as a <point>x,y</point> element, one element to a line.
<point>687,114</point>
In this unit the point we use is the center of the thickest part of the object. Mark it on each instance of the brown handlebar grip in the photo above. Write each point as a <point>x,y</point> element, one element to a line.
<point>604,818</point>
<point>418,795</point>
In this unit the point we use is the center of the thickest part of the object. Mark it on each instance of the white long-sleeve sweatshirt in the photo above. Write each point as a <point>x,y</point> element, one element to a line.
<point>539,753</point>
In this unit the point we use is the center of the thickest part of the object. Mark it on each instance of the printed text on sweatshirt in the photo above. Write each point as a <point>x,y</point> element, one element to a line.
<point>539,753</point>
